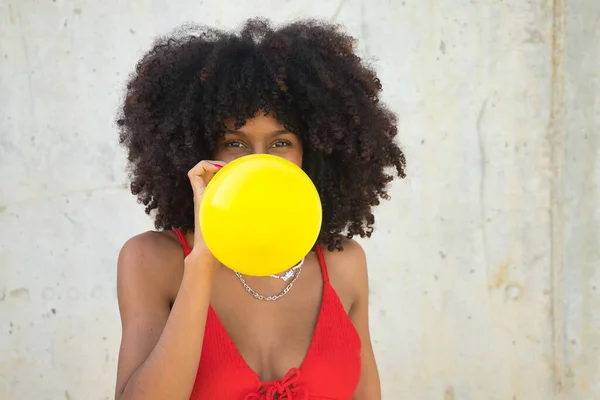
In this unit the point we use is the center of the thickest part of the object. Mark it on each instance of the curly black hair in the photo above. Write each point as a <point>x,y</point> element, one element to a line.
<point>306,73</point>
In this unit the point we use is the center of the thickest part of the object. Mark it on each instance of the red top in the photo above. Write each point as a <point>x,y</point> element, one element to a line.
<point>329,371</point>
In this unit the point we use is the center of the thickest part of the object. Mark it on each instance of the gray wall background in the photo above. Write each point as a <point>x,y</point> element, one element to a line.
<point>484,266</point>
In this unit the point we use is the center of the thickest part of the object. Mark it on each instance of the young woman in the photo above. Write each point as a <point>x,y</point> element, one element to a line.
<point>193,328</point>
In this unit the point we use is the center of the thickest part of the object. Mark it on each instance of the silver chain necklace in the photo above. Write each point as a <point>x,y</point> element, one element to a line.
<point>289,273</point>
<point>273,297</point>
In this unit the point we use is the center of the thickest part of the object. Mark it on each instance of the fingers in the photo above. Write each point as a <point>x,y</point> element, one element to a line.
<point>199,177</point>
<point>202,173</point>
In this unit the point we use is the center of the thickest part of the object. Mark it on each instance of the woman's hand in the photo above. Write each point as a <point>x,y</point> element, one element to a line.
<point>199,177</point>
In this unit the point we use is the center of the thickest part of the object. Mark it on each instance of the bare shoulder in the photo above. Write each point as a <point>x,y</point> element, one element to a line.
<point>149,273</point>
<point>154,259</point>
<point>348,260</point>
<point>348,271</point>
<point>152,243</point>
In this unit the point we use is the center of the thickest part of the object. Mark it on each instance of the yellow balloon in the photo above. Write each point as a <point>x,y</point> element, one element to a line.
<point>260,215</point>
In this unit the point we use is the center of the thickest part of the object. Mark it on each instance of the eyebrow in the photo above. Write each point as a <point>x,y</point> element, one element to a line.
<point>274,133</point>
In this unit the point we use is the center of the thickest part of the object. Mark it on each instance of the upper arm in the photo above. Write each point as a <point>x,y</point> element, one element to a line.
<point>355,269</point>
<point>143,303</point>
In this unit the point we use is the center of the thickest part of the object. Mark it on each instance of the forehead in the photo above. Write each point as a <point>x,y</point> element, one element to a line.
<point>260,124</point>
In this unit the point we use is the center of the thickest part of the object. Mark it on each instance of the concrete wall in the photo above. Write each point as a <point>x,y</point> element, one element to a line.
<point>485,266</point>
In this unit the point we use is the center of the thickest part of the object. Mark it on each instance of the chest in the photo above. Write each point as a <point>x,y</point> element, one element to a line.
<point>270,336</point>
<point>307,347</point>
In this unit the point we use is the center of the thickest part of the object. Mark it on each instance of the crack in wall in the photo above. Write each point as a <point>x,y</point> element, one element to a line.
<point>556,138</point>
<point>482,210</point>
<point>338,10</point>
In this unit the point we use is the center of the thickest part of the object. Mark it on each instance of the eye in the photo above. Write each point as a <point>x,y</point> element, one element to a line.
<point>281,143</point>
<point>234,144</point>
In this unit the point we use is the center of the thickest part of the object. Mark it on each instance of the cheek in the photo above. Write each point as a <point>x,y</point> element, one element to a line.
<point>227,155</point>
<point>295,156</point>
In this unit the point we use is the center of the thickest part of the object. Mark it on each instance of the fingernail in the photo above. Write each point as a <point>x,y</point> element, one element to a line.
<point>217,165</point>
